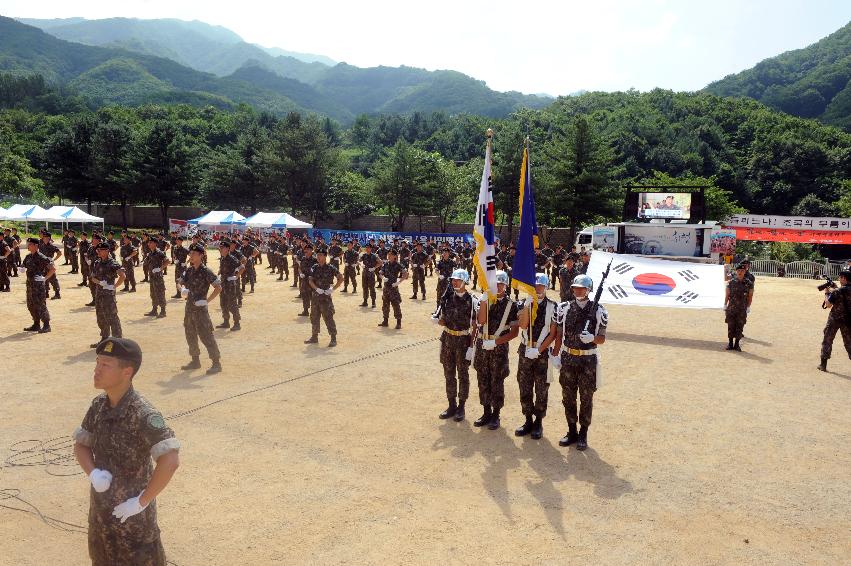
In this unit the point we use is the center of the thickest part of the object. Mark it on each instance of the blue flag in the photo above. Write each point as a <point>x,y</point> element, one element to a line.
<point>523,269</point>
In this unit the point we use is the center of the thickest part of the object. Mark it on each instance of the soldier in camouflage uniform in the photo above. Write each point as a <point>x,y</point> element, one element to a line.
<point>298,254</point>
<point>444,267</point>
<point>250,252</point>
<point>455,313</point>
<point>419,259</point>
<point>38,268</point>
<point>106,275</point>
<point>154,264</point>
<point>305,268</point>
<point>534,358</point>
<point>71,254</point>
<point>180,255</point>
<point>120,438</point>
<point>577,343</point>
<point>230,269</point>
<point>48,248</point>
<point>371,263</point>
<point>392,274</point>
<point>196,281</point>
<point>350,259</point>
<point>6,256</point>
<point>82,251</point>
<point>236,254</point>
<point>498,324</point>
<point>837,301</point>
<point>128,257</point>
<point>737,303</point>
<point>381,252</point>
<point>566,275</point>
<point>324,280</point>
<point>283,260</point>
<point>335,253</point>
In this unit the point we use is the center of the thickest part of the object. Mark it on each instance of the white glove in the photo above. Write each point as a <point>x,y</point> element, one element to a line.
<point>184,292</point>
<point>396,284</point>
<point>749,310</point>
<point>555,361</point>
<point>435,320</point>
<point>441,277</point>
<point>384,279</point>
<point>488,344</point>
<point>329,291</point>
<point>586,337</point>
<point>124,511</point>
<point>100,480</point>
<point>201,303</point>
<point>532,353</point>
<point>301,275</point>
<point>102,283</point>
<point>469,354</point>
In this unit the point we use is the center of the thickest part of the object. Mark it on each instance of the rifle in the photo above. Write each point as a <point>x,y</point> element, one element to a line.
<point>440,302</point>
<point>592,315</point>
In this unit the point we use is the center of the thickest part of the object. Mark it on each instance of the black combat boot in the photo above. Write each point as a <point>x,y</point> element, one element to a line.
<point>485,418</point>
<point>34,328</point>
<point>459,412</point>
<point>345,289</point>
<point>582,443</point>
<point>82,284</point>
<point>215,368</point>
<point>538,428</point>
<point>373,304</point>
<point>153,312</point>
<point>354,290</point>
<point>383,323</point>
<point>571,436</point>
<point>90,304</point>
<point>398,323</point>
<point>162,313</point>
<point>194,364</point>
<point>414,296</point>
<point>176,295</point>
<point>736,346</point>
<point>56,296</point>
<point>494,424</point>
<point>236,327</point>
<point>312,340</point>
<point>333,341</point>
<point>45,327</point>
<point>823,365</point>
<point>525,428</point>
<point>449,412</point>
<point>729,345</point>
<point>363,304</point>
<point>224,324</point>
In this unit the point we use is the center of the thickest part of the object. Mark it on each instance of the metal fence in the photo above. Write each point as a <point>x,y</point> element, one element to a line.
<point>796,269</point>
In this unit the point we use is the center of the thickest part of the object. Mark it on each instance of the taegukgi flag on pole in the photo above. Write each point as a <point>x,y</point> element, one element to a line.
<point>483,231</point>
<point>647,282</point>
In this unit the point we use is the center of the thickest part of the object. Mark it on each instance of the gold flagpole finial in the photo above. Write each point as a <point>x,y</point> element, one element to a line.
<point>489,133</point>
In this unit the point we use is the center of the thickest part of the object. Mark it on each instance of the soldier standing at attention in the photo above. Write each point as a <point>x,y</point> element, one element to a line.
<point>283,261</point>
<point>145,251</point>
<point>65,250</point>
<point>298,254</point>
<point>47,247</point>
<point>324,280</point>
<point>566,275</point>
<point>128,256</point>
<point>71,255</point>
<point>392,274</point>
<point>11,263</point>
<point>737,304</point>
<point>16,251</point>
<point>38,268</point>
<point>5,257</point>
<point>456,313</point>
<point>230,268</point>
<point>106,275</point>
<point>181,258</point>
<point>82,252</point>
<point>430,251</point>
<point>119,438</point>
<point>110,241</point>
<point>196,281</point>
<point>250,253</point>
<point>305,268</point>
<point>335,250</point>
<point>350,259</point>
<point>445,267</point>
<point>371,263</point>
<point>89,259</point>
<point>499,327</point>
<point>534,358</point>
<point>154,264</point>
<point>418,264</point>
<point>557,260</point>
<point>575,354</point>
<point>381,252</point>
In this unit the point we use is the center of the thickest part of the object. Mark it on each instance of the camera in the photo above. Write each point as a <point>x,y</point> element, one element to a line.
<point>828,284</point>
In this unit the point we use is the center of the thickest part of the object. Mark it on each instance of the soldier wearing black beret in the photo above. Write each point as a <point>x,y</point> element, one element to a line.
<point>117,444</point>
<point>107,274</point>
<point>39,269</point>
<point>195,286</point>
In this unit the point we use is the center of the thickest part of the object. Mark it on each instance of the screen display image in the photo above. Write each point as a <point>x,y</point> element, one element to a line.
<point>664,205</point>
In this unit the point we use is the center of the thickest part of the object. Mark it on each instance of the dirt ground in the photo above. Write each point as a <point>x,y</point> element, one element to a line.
<point>696,455</point>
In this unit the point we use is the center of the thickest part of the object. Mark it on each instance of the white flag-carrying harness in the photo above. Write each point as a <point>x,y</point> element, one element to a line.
<point>483,231</point>
<point>646,282</point>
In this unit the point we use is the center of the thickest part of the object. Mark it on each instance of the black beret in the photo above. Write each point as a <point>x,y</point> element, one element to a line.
<point>322,251</point>
<point>573,255</point>
<point>308,246</point>
<point>392,251</point>
<point>197,248</point>
<point>96,235</point>
<point>845,273</point>
<point>224,244</point>
<point>179,237</point>
<point>33,241</point>
<point>102,246</point>
<point>121,348</point>
<point>742,265</point>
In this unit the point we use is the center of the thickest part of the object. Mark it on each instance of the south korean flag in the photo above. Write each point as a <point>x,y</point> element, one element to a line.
<point>642,281</point>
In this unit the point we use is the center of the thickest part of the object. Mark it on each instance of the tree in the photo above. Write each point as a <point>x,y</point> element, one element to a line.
<point>162,159</point>
<point>112,167</point>
<point>351,195</point>
<point>457,190</point>
<point>18,178</point>
<point>68,162</point>
<point>236,176</point>
<point>405,180</point>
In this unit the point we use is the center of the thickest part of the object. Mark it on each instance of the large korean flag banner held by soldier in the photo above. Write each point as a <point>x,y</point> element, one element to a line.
<point>483,231</point>
<point>646,282</point>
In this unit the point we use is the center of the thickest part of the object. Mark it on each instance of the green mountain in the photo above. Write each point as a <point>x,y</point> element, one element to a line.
<point>813,82</point>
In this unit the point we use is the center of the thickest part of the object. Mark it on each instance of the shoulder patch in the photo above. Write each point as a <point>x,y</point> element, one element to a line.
<point>156,420</point>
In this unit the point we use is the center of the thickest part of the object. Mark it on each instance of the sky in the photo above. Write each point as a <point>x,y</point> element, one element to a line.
<point>553,47</point>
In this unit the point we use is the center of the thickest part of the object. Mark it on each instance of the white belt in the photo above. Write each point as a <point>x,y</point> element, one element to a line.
<point>157,270</point>
<point>232,278</point>
<point>351,264</point>
<point>40,279</point>
<point>416,265</point>
<point>108,287</point>
<point>371,268</point>
<point>201,303</point>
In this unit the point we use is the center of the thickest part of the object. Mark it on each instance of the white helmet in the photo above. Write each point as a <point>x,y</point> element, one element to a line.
<point>583,280</point>
<point>542,279</point>
<point>502,277</point>
<point>462,275</point>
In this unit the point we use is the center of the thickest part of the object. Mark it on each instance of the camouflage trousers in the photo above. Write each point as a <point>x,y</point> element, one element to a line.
<point>4,272</point>
<point>534,389</point>
<point>197,324</point>
<point>106,311</point>
<point>284,265</point>
<point>250,274</point>
<point>36,303</point>
<point>491,371</point>
<point>85,269</point>
<point>322,306</point>
<point>367,281</point>
<point>419,280</point>
<point>350,276</point>
<point>73,259</point>
<point>442,284</point>
<point>578,375</point>
<point>54,284</point>
<point>157,289</point>
<point>830,329</point>
<point>305,291</point>
<point>390,297</point>
<point>178,273</point>
<point>735,323</point>
<point>456,368</point>
<point>228,300</point>
<point>130,274</point>
<point>112,543</point>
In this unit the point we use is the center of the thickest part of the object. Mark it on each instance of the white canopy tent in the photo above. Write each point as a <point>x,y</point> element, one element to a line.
<point>28,213</point>
<point>274,220</point>
<point>218,217</point>
<point>2,213</point>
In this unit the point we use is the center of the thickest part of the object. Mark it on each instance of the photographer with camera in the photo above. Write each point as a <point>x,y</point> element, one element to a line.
<point>837,300</point>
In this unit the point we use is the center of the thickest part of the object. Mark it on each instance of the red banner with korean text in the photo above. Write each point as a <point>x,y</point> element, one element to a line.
<point>793,235</point>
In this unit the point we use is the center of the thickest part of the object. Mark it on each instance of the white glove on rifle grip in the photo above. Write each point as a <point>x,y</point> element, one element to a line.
<point>435,320</point>
<point>488,344</point>
<point>396,284</point>
<point>586,337</point>
<point>532,353</point>
<point>184,292</point>
<point>100,479</point>
<point>468,355</point>
<point>555,361</point>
